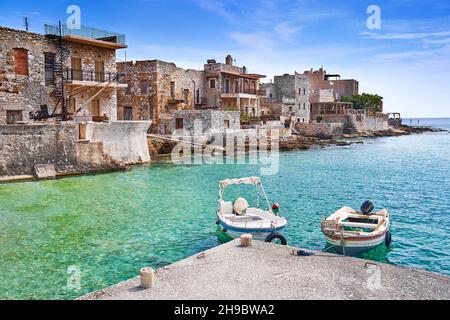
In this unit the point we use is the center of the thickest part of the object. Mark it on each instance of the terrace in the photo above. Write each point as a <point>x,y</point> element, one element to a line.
<point>87,35</point>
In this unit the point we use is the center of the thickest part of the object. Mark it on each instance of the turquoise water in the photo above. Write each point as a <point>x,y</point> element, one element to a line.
<point>112,225</point>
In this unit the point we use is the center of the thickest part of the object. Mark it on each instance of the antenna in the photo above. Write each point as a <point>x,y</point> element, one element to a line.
<point>26,23</point>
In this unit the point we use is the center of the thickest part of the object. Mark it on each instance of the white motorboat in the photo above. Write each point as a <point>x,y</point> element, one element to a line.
<point>238,218</point>
<point>353,232</point>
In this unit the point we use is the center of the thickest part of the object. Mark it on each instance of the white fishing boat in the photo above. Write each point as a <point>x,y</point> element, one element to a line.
<point>238,218</point>
<point>352,231</point>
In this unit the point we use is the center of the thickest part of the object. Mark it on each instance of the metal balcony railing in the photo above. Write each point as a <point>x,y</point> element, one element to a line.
<point>86,32</point>
<point>244,91</point>
<point>92,76</point>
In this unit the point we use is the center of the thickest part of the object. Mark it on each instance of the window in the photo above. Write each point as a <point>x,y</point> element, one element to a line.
<point>271,96</point>
<point>99,71</point>
<point>76,69</point>
<point>227,86</point>
<point>13,116</point>
<point>226,124</point>
<point>212,83</point>
<point>172,90</point>
<point>49,61</point>
<point>128,113</point>
<point>179,123</point>
<point>21,61</point>
<point>95,108</point>
<point>128,89</point>
<point>197,98</point>
<point>144,87</point>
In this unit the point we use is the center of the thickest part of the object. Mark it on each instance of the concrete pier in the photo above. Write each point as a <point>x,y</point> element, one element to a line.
<point>269,272</point>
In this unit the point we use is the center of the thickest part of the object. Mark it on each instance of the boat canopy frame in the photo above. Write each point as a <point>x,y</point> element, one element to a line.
<point>256,181</point>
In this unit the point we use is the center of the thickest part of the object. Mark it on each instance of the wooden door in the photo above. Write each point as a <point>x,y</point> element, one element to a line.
<point>99,71</point>
<point>76,69</point>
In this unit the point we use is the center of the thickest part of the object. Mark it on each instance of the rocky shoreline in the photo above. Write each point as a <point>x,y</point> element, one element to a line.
<point>160,150</point>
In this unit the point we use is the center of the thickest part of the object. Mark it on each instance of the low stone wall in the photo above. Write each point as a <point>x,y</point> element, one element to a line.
<point>107,147</point>
<point>123,141</point>
<point>320,129</point>
<point>24,146</point>
<point>372,123</point>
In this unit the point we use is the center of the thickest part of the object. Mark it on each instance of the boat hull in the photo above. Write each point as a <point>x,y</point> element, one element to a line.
<point>258,234</point>
<point>356,245</point>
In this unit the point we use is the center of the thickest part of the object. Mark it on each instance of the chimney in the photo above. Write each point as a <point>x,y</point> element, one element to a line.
<point>229,60</point>
<point>244,70</point>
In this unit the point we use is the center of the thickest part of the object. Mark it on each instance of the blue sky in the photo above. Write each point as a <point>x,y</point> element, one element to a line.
<point>407,61</point>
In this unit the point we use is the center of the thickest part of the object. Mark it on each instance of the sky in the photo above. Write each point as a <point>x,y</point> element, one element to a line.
<point>406,60</point>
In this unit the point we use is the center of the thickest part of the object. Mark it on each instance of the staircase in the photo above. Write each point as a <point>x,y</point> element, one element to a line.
<point>61,74</point>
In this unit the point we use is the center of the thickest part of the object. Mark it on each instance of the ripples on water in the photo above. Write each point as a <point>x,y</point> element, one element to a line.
<point>112,225</point>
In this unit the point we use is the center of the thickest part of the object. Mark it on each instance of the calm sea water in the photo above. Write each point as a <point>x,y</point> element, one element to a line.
<point>109,226</point>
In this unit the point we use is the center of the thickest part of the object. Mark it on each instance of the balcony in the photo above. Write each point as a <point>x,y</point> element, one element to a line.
<point>90,77</point>
<point>235,92</point>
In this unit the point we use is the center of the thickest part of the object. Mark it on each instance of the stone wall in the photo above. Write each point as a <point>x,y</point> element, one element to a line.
<point>158,102</point>
<point>24,146</point>
<point>211,120</point>
<point>23,93</point>
<point>320,130</point>
<point>26,93</point>
<point>362,123</point>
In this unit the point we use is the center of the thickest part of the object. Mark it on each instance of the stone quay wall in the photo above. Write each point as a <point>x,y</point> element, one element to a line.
<point>24,146</point>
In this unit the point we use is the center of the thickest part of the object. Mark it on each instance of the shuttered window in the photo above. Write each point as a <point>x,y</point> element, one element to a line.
<point>21,61</point>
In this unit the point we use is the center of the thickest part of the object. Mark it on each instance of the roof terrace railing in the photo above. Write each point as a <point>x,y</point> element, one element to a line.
<point>86,32</point>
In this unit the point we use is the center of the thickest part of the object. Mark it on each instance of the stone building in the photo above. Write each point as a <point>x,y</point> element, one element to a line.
<point>233,88</point>
<point>67,75</point>
<point>288,98</point>
<point>156,89</point>
<point>50,75</point>
<point>321,80</point>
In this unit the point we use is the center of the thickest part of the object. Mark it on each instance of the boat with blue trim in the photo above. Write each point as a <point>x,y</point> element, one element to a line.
<point>238,218</point>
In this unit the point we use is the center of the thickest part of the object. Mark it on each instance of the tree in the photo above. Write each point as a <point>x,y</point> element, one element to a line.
<point>367,101</point>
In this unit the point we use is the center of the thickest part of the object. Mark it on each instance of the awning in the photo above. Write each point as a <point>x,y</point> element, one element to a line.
<point>231,182</point>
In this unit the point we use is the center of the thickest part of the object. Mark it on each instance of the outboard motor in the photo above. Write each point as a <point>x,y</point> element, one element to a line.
<point>367,208</point>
